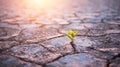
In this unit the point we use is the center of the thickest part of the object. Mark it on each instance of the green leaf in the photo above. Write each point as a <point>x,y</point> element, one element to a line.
<point>76,33</point>
<point>71,31</point>
<point>72,34</point>
<point>69,36</point>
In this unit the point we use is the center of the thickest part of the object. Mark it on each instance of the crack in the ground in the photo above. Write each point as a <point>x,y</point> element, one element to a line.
<point>94,35</point>
<point>42,64</point>
<point>40,41</point>
<point>92,48</point>
<point>73,46</point>
<point>41,44</point>
<point>6,49</point>
<point>108,63</point>
<point>107,60</point>
<point>26,60</point>
<point>38,63</point>
<point>11,38</point>
<point>63,55</point>
<point>116,56</point>
<point>62,35</point>
<point>110,60</point>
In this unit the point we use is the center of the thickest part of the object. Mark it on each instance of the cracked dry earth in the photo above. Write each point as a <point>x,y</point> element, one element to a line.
<point>36,37</point>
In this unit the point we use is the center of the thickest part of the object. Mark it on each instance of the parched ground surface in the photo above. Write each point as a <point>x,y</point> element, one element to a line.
<point>36,37</point>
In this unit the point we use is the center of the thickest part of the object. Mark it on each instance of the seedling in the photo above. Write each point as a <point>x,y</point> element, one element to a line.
<point>71,35</point>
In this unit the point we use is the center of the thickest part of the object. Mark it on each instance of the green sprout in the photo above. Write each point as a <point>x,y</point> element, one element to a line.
<point>71,35</point>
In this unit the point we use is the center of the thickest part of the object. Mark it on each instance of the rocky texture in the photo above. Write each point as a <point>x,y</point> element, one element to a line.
<point>34,53</point>
<point>4,45</point>
<point>59,45</point>
<point>36,36</point>
<point>78,60</point>
<point>9,61</point>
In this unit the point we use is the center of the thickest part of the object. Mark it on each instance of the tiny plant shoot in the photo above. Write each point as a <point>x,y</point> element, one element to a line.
<point>71,35</point>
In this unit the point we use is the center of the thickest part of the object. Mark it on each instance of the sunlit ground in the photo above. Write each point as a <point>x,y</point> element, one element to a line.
<point>37,4</point>
<point>35,10</point>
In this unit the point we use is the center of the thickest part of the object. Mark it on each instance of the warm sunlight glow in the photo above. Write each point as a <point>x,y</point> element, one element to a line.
<point>40,3</point>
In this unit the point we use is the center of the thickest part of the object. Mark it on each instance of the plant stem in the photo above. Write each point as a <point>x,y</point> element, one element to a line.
<point>73,45</point>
